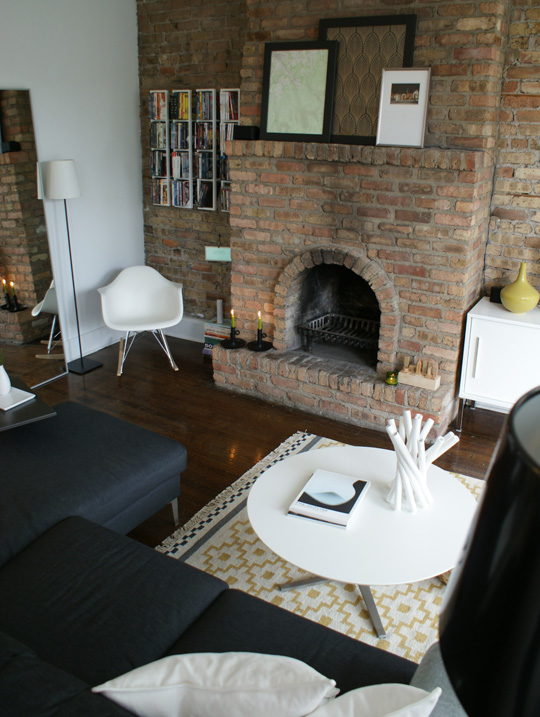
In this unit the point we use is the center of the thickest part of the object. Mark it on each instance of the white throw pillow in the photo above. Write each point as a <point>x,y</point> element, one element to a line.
<point>232,684</point>
<point>392,700</point>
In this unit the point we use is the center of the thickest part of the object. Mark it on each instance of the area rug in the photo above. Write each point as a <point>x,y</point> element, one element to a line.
<point>219,540</point>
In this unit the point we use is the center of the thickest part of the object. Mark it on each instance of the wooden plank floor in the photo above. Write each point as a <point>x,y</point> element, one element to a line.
<point>224,433</point>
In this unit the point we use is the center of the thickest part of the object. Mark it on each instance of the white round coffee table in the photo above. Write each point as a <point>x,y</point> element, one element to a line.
<point>380,546</point>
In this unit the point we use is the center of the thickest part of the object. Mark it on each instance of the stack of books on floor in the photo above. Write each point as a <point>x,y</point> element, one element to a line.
<point>214,333</point>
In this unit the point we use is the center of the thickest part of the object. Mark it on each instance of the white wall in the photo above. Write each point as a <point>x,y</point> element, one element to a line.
<point>79,60</point>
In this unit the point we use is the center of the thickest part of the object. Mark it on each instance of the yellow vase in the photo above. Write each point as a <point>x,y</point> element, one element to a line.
<point>519,296</point>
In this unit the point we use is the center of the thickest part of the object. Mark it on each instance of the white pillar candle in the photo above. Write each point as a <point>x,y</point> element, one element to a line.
<point>219,311</point>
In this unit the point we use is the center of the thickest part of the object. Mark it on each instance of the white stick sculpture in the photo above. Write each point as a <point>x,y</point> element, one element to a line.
<point>409,489</point>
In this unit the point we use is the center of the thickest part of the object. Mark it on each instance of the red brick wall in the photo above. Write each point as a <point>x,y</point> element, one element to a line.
<point>187,45</point>
<point>24,249</point>
<point>462,41</point>
<point>485,94</point>
<point>515,215</point>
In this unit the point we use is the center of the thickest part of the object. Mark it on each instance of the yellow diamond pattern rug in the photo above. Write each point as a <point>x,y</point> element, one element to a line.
<point>220,540</point>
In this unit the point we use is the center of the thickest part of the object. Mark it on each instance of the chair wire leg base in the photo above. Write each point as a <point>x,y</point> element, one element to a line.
<point>120,356</point>
<point>162,341</point>
<point>126,343</point>
<point>123,350</point>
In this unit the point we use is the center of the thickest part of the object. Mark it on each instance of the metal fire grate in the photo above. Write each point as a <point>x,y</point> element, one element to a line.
<point>343,330</point>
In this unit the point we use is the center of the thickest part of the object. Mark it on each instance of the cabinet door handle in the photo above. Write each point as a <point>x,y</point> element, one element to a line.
<point>476,356</point>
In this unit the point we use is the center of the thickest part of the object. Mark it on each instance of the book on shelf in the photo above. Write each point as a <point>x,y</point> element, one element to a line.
<point>204,135</point>
<point>228,105</point>
<point>225,198</point>
<point>329,497</point>
<point>159,163</point>
<point>180,165</point>
<point>224,172</point>
<point>158,135</point>
<point>179,108</point>
<point>226,134</point>
<point>204,104</point>
<point>157,105</point>
<point>160,191</point>
<point>181,193</point>
<point>204,199</point>
<point>206,165</point>
<point>180,135</point>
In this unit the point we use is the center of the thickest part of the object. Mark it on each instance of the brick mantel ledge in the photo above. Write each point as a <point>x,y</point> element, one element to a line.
<point>425,158</point>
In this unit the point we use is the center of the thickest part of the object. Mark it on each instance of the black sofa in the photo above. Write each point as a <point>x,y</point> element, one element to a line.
<point>81,604</point>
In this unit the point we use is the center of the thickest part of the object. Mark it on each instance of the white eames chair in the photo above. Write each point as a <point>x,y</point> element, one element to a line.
<point>49,305</point>
<point>141,300</point>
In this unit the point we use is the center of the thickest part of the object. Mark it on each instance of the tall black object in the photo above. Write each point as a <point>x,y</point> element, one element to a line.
<point>79,365</point>
<point>60,182</point>
<point>490,624</point>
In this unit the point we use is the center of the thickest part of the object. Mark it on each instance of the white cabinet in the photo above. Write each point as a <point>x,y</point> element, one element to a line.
<point>501,357</point>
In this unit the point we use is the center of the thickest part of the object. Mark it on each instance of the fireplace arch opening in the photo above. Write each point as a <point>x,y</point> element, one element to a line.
<point>338,315</point>
<point>290,285</point>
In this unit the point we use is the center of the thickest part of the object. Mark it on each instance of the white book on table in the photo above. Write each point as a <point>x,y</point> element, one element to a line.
<point>329,497</point>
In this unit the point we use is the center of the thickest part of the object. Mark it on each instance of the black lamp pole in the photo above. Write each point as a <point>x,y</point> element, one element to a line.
<point>80,365</point>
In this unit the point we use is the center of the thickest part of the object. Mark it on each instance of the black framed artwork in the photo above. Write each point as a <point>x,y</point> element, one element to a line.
<point>298,91</point>
<point>367,45</point>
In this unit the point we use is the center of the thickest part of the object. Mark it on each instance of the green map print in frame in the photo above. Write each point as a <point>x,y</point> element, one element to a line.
<point>367,45</point>
<point>298,90</point>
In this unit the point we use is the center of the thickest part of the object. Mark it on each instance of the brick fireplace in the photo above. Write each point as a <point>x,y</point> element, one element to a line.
<point>412,223</point>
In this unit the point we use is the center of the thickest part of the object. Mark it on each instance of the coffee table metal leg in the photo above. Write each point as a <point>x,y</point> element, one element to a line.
<point>369,602</point>
<point>365,591</point>
<point>303,583</point>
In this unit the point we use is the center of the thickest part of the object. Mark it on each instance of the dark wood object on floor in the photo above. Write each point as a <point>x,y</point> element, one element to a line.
<point>224,433</point>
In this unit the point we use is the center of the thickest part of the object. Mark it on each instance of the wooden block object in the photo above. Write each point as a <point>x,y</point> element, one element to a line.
<point>418,379</point>
<point>423,374</point>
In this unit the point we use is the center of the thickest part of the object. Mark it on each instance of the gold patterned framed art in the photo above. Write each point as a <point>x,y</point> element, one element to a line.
<point>366,46</point>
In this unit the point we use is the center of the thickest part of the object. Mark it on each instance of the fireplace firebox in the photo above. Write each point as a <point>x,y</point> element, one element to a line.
<point>337,308</point>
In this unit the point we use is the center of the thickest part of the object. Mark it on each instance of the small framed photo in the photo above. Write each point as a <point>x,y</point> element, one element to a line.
<point>297,91</point>
<point>403,107</point>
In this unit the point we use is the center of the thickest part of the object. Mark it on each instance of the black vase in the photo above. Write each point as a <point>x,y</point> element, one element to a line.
<point>490,622</point>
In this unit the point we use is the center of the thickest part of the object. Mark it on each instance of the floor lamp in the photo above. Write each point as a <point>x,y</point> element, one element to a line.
<point>59,181</point>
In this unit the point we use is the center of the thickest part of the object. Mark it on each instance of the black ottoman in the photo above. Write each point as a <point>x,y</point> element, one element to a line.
<point>87,463</point>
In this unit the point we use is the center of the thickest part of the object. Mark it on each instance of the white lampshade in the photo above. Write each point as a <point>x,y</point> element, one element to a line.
<point>59,180</point>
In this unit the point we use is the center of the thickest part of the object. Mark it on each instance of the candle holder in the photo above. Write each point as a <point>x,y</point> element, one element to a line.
<point>260,345</point>
<point>233,342</point>
<point>12,304</point>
